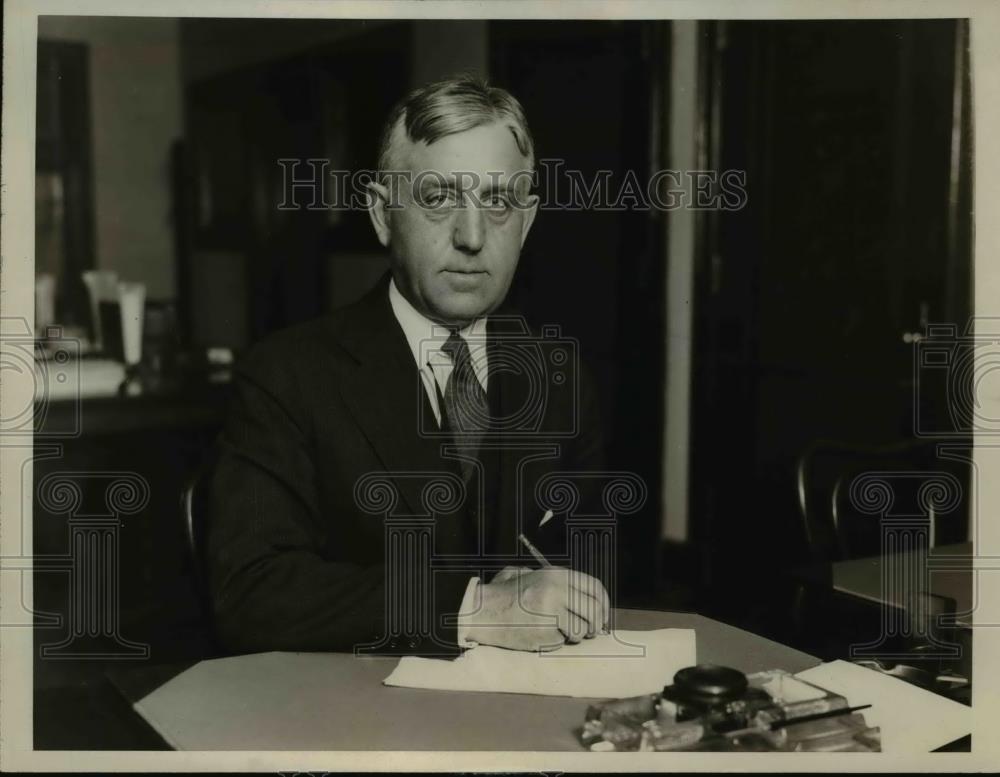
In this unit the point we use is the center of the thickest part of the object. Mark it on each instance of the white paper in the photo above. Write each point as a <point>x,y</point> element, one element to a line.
<point>912,720</point>
<point>625,663</point>
<point>77,378</point>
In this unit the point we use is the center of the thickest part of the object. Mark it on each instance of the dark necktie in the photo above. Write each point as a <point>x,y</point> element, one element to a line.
<point>466,412</point>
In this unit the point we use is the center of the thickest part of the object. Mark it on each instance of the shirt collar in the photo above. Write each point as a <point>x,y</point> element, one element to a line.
<point>426,337</point>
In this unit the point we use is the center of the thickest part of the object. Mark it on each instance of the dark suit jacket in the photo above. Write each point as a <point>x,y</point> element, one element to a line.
<point>331,446</point>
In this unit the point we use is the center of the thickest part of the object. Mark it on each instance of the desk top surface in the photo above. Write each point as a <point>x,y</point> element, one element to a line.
<point>866,578</point>
<point>352,710</point>
<point>197,406</point>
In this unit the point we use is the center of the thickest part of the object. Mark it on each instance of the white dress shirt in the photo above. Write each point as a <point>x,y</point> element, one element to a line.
<point>426,340</point>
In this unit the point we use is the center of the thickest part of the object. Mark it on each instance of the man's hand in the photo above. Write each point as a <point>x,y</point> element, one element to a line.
<point>538,609</point>
<point>509,573</point>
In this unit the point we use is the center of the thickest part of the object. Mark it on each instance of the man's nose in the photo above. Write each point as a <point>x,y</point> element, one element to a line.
<point>469,231</point>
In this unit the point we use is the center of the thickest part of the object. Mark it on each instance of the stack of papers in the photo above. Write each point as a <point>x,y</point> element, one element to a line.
<point>77,378</point>
<point>630,663</point>
<point>912,720</point>
<point>624,663</point>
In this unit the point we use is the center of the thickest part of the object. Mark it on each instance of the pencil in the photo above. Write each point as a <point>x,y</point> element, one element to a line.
<point>534,552</point>
<point>817,716</point>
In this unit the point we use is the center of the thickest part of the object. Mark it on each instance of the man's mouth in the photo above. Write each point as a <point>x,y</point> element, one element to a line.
<point>465,280</point>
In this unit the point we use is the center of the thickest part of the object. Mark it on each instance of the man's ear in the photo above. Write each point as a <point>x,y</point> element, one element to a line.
<point>530,211</point>
<point>378,198</point>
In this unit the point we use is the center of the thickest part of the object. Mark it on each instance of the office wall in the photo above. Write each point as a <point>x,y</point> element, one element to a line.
<point>135,94</point>
<point>443,47</point>
<point>212,47</point>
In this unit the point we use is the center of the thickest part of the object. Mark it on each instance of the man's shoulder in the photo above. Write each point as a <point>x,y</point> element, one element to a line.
<point>319,344</point>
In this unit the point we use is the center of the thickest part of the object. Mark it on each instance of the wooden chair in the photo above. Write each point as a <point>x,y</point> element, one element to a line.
<point>194,521</point>
<point>836,529</point>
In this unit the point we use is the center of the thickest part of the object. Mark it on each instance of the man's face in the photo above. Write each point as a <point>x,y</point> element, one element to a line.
<point>457,232</point>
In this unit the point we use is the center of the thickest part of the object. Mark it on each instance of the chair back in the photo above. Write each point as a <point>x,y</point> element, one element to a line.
<point>194,520</point>
<point>834,525</point>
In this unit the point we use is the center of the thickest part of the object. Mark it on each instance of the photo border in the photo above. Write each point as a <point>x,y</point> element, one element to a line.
<point>17,301</point>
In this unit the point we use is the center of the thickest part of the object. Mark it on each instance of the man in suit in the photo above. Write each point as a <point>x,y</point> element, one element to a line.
<point>379,463</point>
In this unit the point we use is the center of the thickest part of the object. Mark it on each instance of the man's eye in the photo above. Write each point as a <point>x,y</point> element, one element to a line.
<point>438,200</point>
<point>497,202</point>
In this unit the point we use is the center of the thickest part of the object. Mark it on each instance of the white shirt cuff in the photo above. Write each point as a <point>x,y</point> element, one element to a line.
<point>470,604</point>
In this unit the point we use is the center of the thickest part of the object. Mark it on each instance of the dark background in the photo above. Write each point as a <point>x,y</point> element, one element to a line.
<point>857,230</point>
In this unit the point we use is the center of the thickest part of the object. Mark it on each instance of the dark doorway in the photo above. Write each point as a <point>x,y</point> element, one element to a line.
<point>591,93</point>
<point>855,139</point>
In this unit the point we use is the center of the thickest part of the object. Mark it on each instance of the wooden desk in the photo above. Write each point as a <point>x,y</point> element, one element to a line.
<point>162,438</point>
<point>346,707</point>
<point>199,405</point>
<point>950,577</point>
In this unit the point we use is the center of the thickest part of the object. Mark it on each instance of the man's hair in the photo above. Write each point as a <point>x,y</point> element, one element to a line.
<point>451,106</point>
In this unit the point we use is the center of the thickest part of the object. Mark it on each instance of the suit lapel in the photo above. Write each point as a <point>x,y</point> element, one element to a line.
<point>493,460</point>
<point>388,400</point>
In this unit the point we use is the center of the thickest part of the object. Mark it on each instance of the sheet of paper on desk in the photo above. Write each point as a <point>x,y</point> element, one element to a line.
<point>625,663</point>
<point>912,720</point>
